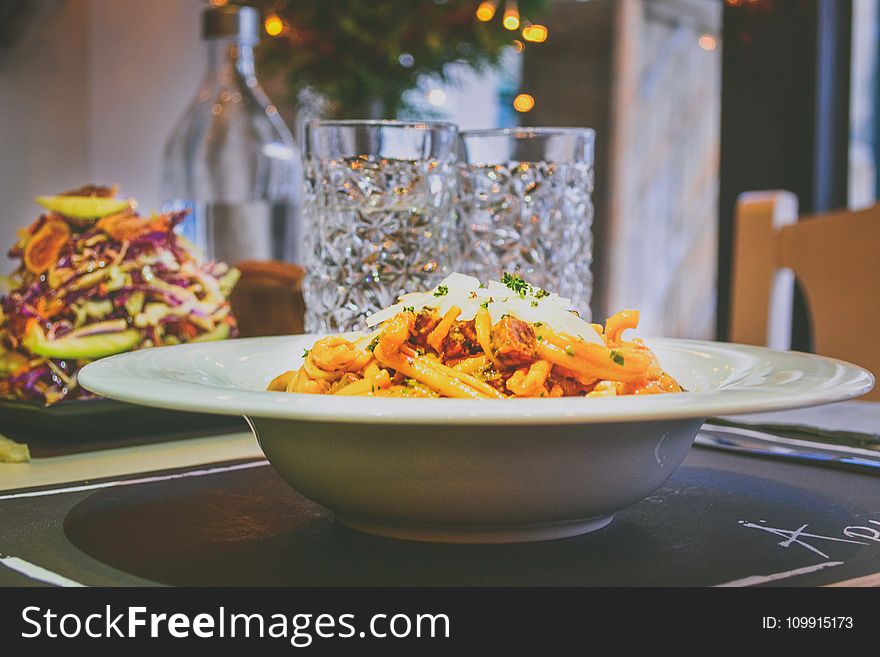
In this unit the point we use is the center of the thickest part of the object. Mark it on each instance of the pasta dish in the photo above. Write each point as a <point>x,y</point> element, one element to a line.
<point>467,340</point>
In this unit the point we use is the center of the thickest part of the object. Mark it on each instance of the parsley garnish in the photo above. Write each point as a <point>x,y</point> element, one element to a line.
<point>538,324</point>
<point>410,383</point>
<point>534,304</point>
<point>305,353</point>
<point>373,343</point>
<point>516,283</point>
<point>409,309</point>
<point>539,337</point>
<point>540,294</point>
<point>569,350</point>
<point>442,290</point>
<point>485,305</point>
<point>617,357</point>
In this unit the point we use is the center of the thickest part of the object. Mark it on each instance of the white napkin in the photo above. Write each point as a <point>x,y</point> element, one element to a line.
<point>850,417</point>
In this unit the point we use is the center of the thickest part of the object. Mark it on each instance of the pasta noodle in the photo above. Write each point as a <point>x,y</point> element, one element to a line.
<point>436,337</point>
<point>453,348</point>
<point>483,327</point>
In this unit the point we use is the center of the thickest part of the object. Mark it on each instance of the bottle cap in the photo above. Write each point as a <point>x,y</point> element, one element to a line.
<point>231,21</point>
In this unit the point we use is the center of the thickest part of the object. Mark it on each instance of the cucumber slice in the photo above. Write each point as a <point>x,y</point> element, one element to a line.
<point>219,332</point>
<point>80,348</point>
<point>83,207</point>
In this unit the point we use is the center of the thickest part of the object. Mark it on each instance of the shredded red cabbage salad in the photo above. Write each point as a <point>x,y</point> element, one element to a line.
<point>117,283</point>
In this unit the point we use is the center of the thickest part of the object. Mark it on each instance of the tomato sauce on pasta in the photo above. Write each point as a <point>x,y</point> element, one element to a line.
<point>453,347</point>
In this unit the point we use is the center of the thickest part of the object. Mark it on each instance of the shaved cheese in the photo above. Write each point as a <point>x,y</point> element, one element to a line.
<point>467,293</point>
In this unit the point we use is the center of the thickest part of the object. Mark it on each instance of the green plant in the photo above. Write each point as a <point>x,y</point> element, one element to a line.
<point>362,55</point>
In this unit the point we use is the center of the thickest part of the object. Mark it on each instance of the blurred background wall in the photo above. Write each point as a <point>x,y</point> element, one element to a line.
<point>88,92</point>
<point>662,217</point>
<point>44,105</point>
<point>91,88</point>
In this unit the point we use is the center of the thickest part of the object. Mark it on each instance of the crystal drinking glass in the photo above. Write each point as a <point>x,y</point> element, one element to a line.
<point>378,216</point>
<point>526,207</point>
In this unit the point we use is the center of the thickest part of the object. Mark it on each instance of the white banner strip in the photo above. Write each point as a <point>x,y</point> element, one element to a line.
<point>132,482</point>
<point>36,572</point>
<point>763,579</point>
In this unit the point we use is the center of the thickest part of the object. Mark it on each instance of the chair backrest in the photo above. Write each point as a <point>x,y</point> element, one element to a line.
<point>835,257</point>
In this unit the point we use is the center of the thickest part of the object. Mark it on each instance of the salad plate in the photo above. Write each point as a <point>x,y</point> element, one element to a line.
<point>93,278</point>
<point>73,423</point>
<point>473,470</point>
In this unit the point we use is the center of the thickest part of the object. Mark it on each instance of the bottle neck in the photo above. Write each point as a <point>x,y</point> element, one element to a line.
<point>229,59</point>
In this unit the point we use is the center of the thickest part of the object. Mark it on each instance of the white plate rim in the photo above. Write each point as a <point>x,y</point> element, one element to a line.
<point>116,377</point>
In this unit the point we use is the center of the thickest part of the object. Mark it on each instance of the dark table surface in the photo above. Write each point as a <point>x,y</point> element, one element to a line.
<point>721,519</point>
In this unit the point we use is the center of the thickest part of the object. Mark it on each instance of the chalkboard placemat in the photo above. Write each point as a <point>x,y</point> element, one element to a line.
<point>721,519</point>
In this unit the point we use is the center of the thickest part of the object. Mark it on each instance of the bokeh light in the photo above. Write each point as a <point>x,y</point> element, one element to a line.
<point>437,97</point>
<point>523,103</point>
<point>707,42</point>
<point>511,15</point>
<point>273,25</point>
<point>486,11</point>
<point>535,33</point>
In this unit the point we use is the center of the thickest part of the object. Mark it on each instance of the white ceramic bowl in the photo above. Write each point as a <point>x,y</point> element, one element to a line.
<point>473,470</point>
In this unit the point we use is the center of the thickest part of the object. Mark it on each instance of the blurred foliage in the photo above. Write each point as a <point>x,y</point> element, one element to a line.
<point>353,52</point>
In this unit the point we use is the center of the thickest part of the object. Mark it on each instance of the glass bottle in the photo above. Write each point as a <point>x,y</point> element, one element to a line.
<point>231,160</point>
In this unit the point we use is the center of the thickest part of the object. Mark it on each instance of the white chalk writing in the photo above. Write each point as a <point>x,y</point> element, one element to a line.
<point>864,532</point>
<point>799,536</point>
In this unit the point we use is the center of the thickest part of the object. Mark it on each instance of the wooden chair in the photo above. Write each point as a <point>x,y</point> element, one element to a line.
<point>267,300</point>
<point>835,257</point>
